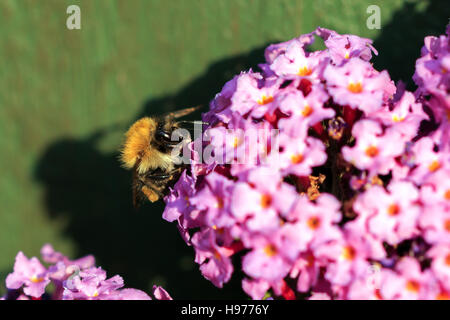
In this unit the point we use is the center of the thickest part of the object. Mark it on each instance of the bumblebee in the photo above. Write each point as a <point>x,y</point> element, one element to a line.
<point>148,151</point>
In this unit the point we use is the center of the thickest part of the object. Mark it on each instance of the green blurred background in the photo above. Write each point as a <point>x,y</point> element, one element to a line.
<point>66,96</point>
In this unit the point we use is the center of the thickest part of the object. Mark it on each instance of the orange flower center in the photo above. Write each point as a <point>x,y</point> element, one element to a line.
<point>237,142</point>
<point>355,87</point>
<point>297,158</point>
<point>378,294</point>
<point>396,118</point>
<point>266,200</point>
<point>443,296</point>
<point>307,110</point>
<point>348,253</point>
<point>265,100</point>
<point>447,225</point>
<point>304,71</point>
<point>219,203</point>
<point>310,260</point>
<point>217,255</point>
<point>313,223</point>
<point>434,166</point>
<point>35,279</point>
<point>218,230</point>
<point>447,194</point>
<point>393,209</point>
<point>372,151</point>
<point>270,250</point>
<point>447,260</point>
<point>413,286</point>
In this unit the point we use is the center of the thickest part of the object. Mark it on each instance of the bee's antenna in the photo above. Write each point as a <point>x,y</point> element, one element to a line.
<point>193,122</point>
<point>183,112</point>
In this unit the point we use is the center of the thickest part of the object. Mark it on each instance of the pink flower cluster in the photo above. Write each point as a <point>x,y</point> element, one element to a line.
<point>356,205</point>
<point>72,280</point>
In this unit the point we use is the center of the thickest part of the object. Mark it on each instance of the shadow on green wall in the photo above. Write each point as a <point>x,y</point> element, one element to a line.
<point>401,39</point>
<point>92,192</point>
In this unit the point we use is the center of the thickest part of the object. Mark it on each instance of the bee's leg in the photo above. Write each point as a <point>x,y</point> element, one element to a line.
<point>159,176</point>
<point>164,175</point>
<point>155,188</point>
<point>150,193</point>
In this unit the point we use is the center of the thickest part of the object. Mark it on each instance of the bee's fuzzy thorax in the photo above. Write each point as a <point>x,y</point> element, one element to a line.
<point>137,150</point>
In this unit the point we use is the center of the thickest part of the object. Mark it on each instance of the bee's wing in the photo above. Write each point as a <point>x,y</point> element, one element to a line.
<point>181,113</point>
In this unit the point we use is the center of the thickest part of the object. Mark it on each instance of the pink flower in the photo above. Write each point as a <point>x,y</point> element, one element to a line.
<point>406,282</point>
<point>361,289</point>
<point>177,202</point>
<point>358,85</point>
<point>363,232</point>
<point>348,258</point>
<point>160,293</point>
<point>70,280</point>
<point>214,200</point>
<point>275,50</point>
<point>128,294</point>
<point>344,47</point>
<point>295,62</point>
<point>215,264</point>
<point>242,143</point>
<point>440,264</point>
<point>91,284</point>
<point>49,255</point>
<point>429,162</point>
<point>432,68</point>
<point>29,273</point>
<point>374,150</point>
<point>220,104</point>
<point>434,221</point>
<point>436,190</point>
<point>396,212</point>
<point>252,95</point>
<point>266,260</point>
<point>307,109</point>
<point>405,116</point>
<point>299,158</point>
<point>256,289</point>
<point>308,269</point>
<point>319,296</point>
<point>315,222</point>
<point>257,203</point>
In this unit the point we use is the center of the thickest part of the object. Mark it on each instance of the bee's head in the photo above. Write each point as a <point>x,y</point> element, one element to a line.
<point>163,132</point>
